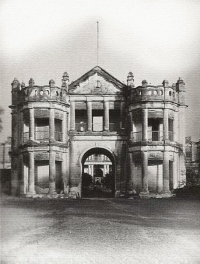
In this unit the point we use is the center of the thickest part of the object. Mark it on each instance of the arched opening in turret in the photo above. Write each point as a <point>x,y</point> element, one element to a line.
<point>98,173</point>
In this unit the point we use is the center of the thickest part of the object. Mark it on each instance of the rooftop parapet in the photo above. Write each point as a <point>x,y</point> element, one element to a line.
<point>148,92</point>
<point>22,93</point>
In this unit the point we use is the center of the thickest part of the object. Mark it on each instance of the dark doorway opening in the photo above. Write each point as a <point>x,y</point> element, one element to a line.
<point>98,174</point>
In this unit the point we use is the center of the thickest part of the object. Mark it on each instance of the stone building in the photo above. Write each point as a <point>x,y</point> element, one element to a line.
<point>5,148</point>
<point>5,166</point>
<point>192,151</point>
<point>141,130</point>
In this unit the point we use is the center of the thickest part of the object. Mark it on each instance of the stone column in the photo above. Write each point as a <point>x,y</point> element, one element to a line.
<point>175,127</point>
<point>31,174</point>
<point>145,172</point>
<point>31,124</point>
<point>122,106</point>
<point>52,172</point>
<point>72,116</point>
<point>89,115</point>
<point>160,131</point>
<point>165,124</point>
<point>105,169</point>
<point>165,172</point>
<point>159,179</point>
<point>131,171</point>
<point>175,171</point>
<point>23,181</point>
<point>64,171</point>
<point>92,170</point>
<point>106,115</point>
<point>64,127</point>
<point>51,125</point>
<point>144,124</point>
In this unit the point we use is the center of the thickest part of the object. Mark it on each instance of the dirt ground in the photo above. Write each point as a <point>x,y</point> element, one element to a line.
<point>100,231</point>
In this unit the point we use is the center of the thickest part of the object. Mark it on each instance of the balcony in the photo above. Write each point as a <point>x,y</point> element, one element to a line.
<point>152,136</point>
<point>96,127</point>
<point>42,136</point>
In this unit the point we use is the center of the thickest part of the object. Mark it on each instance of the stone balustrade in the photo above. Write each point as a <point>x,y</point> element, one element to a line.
<point>154,93</point>
<point>44,93</point>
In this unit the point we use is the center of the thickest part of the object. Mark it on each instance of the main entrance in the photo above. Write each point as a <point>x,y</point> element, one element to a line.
<point>98,173</point>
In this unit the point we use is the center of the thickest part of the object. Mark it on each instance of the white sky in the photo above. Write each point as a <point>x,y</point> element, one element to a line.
<point>155,40</point>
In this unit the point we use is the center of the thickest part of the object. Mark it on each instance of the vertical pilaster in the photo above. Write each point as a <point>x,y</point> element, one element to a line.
<point>52,125</point>
<point>52,171</point>
<point>159,179</point>
<point>165,172</point>
<point>144,124</point>
<point>64,171</point>
<point>106,115</point>
<point>145,171</point>
<point>64,127</point>
<point>175,127</point>
<point>89,115</point>
<point>131,170</point>
<point>122,106</point>
<point>160,131</point>
<point>23,181</point>
<point>165,124</point>
<point>175,171</point>
<point>31,174</point>
<point>31,124</point>
<point>72,116</point>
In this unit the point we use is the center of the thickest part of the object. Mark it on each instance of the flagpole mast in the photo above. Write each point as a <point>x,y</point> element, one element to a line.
<point>97,43</point>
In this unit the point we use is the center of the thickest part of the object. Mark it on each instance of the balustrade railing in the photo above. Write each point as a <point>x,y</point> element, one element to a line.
<point>96,127</point>
<point>43,135</point>
<point>151,136</point>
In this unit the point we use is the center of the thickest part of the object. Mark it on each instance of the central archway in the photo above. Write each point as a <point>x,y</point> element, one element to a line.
<point>98,173</point>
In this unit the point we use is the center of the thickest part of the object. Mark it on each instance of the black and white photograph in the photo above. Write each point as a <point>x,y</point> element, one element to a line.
<point>100,131</point>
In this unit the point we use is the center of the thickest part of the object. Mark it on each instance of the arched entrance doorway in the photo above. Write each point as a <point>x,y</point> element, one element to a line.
<point>98,173</point>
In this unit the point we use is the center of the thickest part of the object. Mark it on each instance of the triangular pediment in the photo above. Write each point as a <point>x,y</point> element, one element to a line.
<point>96,81</point>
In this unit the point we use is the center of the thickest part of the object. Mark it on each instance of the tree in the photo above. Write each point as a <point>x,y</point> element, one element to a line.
<point>1,113</point>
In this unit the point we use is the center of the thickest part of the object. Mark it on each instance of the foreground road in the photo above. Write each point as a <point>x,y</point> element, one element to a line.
<point>100,231</point>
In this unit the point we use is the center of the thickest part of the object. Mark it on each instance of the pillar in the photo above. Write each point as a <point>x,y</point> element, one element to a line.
<point>131,171</point>
<point>144,124</point>
<point>159,179</point>
<point>105,169</point>
<point>175,171</point>
<point>23,181</point>
<point>51,125</point>
<point>106,115</point>
<point>165,172</point>
<point>89,115</point>
<point>160,131</point>
<point>145,172</point>
<point>122,106</point>
<point>165,124</point>
<point>64,172</point>
<point>31,124</point>
<point>31,174</point>
<point>64,127</point>
<point>72,116</point>
<point>52,172</point>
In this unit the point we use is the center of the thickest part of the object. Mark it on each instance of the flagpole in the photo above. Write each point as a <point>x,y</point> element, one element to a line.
<point>97,43</point>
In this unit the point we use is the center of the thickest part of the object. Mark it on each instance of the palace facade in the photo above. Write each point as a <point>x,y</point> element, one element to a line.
<point>137,133</point>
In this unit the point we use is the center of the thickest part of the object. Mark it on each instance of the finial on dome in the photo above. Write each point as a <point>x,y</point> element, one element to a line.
<point>65,80</point>
<point>144,83</point>
<point>15,83</point>
<point>165,83</point>
<point>31,82</point>
<point>51,83</point>
<point>130,79</point>
<point>22,85</point>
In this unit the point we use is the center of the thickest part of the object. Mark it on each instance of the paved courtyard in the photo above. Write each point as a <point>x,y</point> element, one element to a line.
<point>100,231</point>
